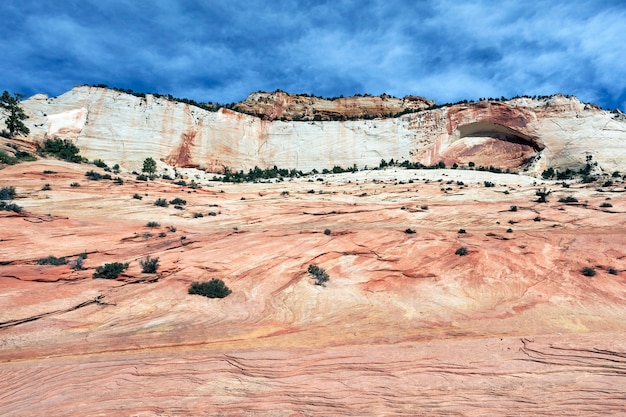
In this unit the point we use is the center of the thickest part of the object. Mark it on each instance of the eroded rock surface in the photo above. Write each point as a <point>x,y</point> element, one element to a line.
<point>404,326</point>
<point>520,134</point>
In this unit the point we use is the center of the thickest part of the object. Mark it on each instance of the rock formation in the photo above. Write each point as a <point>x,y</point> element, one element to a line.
<point>520,134</point>
<point>404,326</point>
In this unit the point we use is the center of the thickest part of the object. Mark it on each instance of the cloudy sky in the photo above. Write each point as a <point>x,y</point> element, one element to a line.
<point>222,50</point>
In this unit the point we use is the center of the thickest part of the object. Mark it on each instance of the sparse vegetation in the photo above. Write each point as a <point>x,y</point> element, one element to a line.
<point>7,193</point>
<point>137,196</point>
<point>327,232</point>
<point>152,224</point>
<point>215,288</point>
<point>409,231</point>
<point>606,205</point>
<point>52,260</point>
<point>161,202</point>
<point>611,270</point>
<point>462,251</point>
<point>588,271</point>
<point>110,271</point>
<point>100,163</point>
<point>62,149</point>
<point>74,185</point>
<point>93,175</point>
<point>568,199</point>
<point>513,208</point>
<point>10,207</point>
<point>77,264</point>
<point>542,194</point>
<point>489,184</point>
<point>319,274</point>
<point>149,265</point>
<point>46,187</point>
<point>178,201</point>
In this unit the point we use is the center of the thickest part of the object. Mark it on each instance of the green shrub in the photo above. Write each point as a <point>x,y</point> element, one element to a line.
<point>62,149</point>
<point>141,177</point>
<point>409,231</point>
<point>152,224</point>
<point>588,271</point>
<point>542,194</point>
<point>149,265</point>
<point>100,163</point>
<point>327,232</point>
<point>5,158</point>
<point>110,271</point>
<point>149,166</point>
<point>93,175</point>
<point>161,202</point>
<point>513,208</point>
<point>7,193</point>
<point>606,205</point>
<point>489,184</point>
<point>52,260</point>
<point>74,184</point>
<point>212,289</point>
<point>462,251</point>
<point>137,196</point>
<point>178,201</point>
<point>319,274</point>
<point>10,207</point>
<point>568,199</point>
<point>171,229</point>
<point>46,187</point>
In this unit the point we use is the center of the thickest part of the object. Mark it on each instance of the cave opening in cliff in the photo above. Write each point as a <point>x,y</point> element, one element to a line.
<point>491,144</point>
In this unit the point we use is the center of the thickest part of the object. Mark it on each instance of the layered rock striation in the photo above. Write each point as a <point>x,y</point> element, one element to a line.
<point>520,134</point>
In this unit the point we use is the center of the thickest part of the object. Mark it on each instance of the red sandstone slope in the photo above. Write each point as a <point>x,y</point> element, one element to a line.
<point>404,326</point>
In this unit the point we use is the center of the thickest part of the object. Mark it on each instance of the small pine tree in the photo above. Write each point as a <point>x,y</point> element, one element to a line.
<point>16,114</point>
<point>149,166</point>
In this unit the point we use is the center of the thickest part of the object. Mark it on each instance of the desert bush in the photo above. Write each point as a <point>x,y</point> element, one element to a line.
<point>489,184</point>
<point>462,251</point>
<point>162,234</point>
<point>568,199</point>
<point>149,265</point>
<point>77,264</point>
<point>409,231</point>
<point>100,163</point>
<point>161,202</point>
<point>74,184</point>
<point>319,274</point>
<point>48,172</point>
<point>606,205</point>
<point>461,231</point>
<point>7,193</point>
<point>137,196</point>
<point>5,158</point>
<point>52,260</point>
<point>513,208</point>
<point>10,207</point>
<point>152,224</point>
<point>46,187</point>
<point>118,181</point>
<point>327,232</point>
<point>149,165</point>
<point>178,201</point>
<point>542,194</point>
<point>93,175</point>
<point>110,271</point>
<point>171,229</point>
<point>211,289</point>
<point>197,215</point>
<point>611,270</point>
<point>62,149</point>
<point>588,271</point>
<point>141,177</point>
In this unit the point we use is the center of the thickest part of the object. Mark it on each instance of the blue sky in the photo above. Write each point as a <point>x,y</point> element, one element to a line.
<point>222,50</point>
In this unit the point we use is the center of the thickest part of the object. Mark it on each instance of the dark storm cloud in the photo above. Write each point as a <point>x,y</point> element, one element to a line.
<point>221,51</point>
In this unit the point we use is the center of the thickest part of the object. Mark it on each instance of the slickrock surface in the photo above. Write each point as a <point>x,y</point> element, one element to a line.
<point>558,132</point>
<point>403,327</point>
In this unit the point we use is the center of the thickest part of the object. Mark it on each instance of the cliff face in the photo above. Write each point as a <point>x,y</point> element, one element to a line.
<point>125,129</point>
<point>283,106</point>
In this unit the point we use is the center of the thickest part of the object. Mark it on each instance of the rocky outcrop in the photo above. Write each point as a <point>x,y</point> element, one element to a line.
<point>283,106</point>
<point>522,133</point>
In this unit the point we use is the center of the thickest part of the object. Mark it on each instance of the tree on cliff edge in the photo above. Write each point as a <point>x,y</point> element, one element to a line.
<point>149,165</point>
<point>16,114</point>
